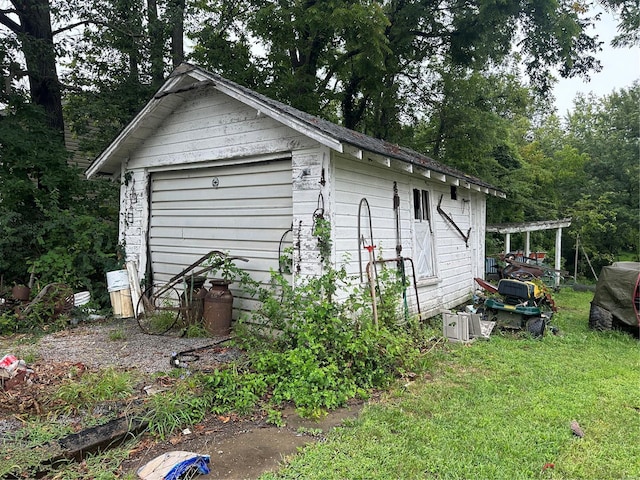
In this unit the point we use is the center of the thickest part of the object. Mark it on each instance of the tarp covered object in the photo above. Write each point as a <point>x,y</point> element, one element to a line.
<point>173,465</point>
<point>615,291</point>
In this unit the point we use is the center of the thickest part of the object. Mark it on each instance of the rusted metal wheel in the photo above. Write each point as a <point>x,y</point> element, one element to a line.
<point>158,309</point>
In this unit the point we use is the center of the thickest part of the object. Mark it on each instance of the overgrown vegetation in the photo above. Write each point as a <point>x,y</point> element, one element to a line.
<point>57,228</point>
<point>496,409</point>
<point>500,409</point>
<point>83,391</point>
<point>313,351</point>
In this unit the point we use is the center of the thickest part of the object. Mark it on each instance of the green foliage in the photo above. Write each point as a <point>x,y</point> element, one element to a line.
<point>608,131</point>
<point>8,323</point>
<point>364,63</point>
<point>55,225</point>
<point>24,450</point>
<point>587,170</point>
<point>274,417</point>
<point>117,334</point>
<point>232,390</point>
<point>324,353</point>
<point>322,232</point>
<point>104,465</point>
<point>226,268</point>
<point>90,388</point>
<point>185,404</point>
<point>196,331</point>
<point>499,409</point>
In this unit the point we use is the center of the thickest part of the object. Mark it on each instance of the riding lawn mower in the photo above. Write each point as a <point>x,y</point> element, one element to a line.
<point>517,305</point>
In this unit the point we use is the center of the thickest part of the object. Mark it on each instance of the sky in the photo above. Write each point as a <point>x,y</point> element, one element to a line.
<point>620,67</point>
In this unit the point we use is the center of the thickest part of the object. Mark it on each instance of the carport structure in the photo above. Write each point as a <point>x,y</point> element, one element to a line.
<point>509,228</point>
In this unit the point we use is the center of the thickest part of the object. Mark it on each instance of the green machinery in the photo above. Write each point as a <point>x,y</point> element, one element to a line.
<point>519,305</point>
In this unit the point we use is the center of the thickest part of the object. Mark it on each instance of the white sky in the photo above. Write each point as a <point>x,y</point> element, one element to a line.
<point>620,67</point>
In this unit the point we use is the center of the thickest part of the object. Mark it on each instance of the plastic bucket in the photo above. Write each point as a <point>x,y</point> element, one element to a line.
<point>120,293</point>
<point>117,280</point>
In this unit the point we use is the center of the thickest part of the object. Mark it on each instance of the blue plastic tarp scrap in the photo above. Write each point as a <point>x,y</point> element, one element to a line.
<point>173,465</point>
<point>201,462</point>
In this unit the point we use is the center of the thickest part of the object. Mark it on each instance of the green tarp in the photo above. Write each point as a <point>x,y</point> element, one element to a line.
<point>616,288</point>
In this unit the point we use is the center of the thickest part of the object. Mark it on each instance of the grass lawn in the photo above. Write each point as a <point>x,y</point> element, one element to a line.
<point>500,409</point>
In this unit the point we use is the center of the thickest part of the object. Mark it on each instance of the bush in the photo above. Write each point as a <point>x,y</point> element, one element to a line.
<point>320,353</point>
<point>55,224</point>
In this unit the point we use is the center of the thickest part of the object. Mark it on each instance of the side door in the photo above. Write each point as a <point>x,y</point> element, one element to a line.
<point>423,232</point>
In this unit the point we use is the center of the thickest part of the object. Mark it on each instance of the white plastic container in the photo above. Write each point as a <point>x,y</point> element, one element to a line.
<point>120,293</point>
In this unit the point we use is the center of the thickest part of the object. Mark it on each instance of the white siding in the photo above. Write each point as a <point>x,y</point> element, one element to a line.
<point>353,182</point>
<point>311,196</point>
<point>210,126</point>
<point>211,135</point>
<point>456,263</point>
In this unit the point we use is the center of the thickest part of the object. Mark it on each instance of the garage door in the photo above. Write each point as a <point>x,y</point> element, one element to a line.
<point>240,209</point>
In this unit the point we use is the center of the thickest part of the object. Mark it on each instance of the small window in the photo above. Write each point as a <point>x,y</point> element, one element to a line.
<point>421,205</point>
<point>454,192</point>
<point>425,206</point>
<point>417,204</point>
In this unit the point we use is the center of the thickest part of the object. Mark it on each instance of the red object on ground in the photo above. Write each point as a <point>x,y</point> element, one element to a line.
<point>7,361</point>
<point>486,285</point>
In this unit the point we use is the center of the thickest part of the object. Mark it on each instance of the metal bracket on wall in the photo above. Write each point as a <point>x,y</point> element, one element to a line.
<point>447,217</point>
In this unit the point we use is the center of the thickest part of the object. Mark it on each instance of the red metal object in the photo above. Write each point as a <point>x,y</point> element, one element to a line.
<point>486,285</point>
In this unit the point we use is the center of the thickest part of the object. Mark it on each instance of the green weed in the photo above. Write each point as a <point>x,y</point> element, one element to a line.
<point>117,334</point>
<point>185,404</point>
<point>502,410</point>
<point>91,388</point>
<point>274,417</point>
<point>24,451</point>
<point>196,331</point>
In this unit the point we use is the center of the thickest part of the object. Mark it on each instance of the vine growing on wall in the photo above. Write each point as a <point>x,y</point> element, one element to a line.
<point>322,232</point>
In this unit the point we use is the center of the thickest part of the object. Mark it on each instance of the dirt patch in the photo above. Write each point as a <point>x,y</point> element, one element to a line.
<point>238,447</point>
<point>244,448</point>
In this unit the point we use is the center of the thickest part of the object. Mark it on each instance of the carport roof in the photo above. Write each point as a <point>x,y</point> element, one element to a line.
<point>188,77</point>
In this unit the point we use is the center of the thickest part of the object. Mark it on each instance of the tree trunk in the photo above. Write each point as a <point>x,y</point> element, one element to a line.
<point>36,37</point>
<point>156,39</point>
<point>176,23</point>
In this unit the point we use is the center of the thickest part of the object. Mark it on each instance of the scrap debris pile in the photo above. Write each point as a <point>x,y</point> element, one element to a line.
<point>56,298</point>
<point>520,301</point>
<point>13,371</point>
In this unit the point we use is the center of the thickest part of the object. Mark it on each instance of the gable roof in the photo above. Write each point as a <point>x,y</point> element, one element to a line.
<point>188,77</point>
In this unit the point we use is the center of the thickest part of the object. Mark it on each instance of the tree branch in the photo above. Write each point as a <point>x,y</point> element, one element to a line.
<point>71,26</point>
<point>10,24</point>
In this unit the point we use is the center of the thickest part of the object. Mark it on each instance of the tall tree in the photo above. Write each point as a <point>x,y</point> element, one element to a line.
<point>123,55</point>
<point>628,13</point>
<point>363,62</point>
<point>32,29</point>
<point>608,131</point>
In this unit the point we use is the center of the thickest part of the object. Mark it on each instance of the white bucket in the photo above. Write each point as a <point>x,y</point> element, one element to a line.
<point>117,280</point>
<point>81,298</point>
<point>120,293</point>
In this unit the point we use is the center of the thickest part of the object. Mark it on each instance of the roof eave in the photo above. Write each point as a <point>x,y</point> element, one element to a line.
<point>112,153</point>
<point>427,171</point>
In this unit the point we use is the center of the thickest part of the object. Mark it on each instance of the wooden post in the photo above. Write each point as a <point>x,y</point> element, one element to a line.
<point>507,242</point>
<point>575,263</point>
<point>527,243</point>
<point>558,254</point>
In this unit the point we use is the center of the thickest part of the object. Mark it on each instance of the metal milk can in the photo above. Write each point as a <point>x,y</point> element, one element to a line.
<point>218,308</point>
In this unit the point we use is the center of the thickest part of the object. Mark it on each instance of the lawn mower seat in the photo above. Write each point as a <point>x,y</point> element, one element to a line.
<point>516,292</point>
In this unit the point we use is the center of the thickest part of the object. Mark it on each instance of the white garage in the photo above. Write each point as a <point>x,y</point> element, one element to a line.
<point>211,165</point>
